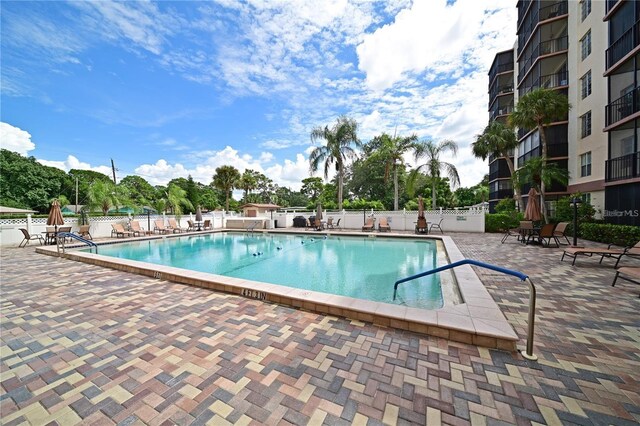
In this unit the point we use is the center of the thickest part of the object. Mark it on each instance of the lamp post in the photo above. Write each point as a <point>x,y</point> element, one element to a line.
<point>575,201</point>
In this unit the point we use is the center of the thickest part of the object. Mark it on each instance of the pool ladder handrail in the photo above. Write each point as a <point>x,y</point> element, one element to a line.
<point>252,227</point>
<point>61,236</point>
<point>528,354</point>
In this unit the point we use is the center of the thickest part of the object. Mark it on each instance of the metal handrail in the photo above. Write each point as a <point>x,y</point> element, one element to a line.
<point>62,235</point>
<point>523,277</point>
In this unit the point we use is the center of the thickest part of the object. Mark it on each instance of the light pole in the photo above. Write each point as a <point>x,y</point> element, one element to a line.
<point>575,201</point>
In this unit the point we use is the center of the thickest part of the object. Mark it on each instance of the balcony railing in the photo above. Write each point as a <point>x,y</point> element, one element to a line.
<point>623,45</point>
<point>610,4</point>
<point>500,110</point>
<point>623,107</point>
<point>507,88</point>
<point>501,194</point>
<point>625,167</point>
<point>543,48</point>
<point>500,68</point>
<point>553,10</point>
<point>548,81</point>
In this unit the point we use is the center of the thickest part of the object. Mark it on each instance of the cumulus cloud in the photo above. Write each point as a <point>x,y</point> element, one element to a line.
<point>73,163</point>
<point>15,139</point>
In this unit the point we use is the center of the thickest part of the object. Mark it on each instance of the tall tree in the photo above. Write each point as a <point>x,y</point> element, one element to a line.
<point>312,187</point>
<point>140,191</point>
<point>248,182</point>
<point>498,140</point>
<point>177,199</point>
<point>393,151</point>
<point>538,109</point>
<point>431,152</point>
<point>339,143</point>
<point>104,194</point>
<point>226,179</point>
<point>539,173</point>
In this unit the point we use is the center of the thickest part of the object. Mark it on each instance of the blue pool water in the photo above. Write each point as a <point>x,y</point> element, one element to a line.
<point>360,267</point>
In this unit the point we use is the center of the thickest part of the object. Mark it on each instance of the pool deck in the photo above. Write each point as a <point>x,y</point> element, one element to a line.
<point>86,344</point>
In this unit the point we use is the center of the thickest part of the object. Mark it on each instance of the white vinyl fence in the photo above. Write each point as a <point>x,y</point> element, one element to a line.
<point>452,221</point>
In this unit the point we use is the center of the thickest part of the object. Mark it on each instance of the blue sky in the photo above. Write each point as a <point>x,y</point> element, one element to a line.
<point>169,89</point>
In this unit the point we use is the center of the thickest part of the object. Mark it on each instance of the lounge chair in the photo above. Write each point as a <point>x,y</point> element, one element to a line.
<point>383,225</point>
<point>136,228</point>
<point>84,232</point>
<point>28,237</point>
<point>119,232</point>
<point>191,226</point>
<point>608,252</point>
<point>207,225</point>
<point>369,225</point>
<point>65,229</point>
<point>437,225</point>
<point>174,227</point>
<point>422,226</point>
<point>329,223</point>
<point>561,231</point>
<point>159,227</point>
<point>513,232</point>
<point>629,273</point>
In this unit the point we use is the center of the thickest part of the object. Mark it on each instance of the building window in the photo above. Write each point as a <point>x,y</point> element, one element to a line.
<point>585,45</point>
<point>586,84</point>
<point>586,124</point>
<point>586,198</point>
<point>585,164</point>
<point>585,8</point>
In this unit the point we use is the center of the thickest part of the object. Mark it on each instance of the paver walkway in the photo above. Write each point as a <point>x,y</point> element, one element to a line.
<point>83,344</point>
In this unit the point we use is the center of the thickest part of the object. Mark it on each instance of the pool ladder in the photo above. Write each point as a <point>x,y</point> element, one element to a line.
<point>62,236</point>
<point>523,277</point>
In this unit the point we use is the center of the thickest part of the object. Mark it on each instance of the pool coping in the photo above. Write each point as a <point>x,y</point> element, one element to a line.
<point>477,320</point>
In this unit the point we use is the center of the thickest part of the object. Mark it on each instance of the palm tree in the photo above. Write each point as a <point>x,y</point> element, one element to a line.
<point>539,173</point>
<point>498,140</point>
<point>104,194</point>
<point>393,150</point>
<point>538,109</point>
<point>176,199</point>
<point>431,152</point>
<point>339,140</point>
<point>225,179</point>
<point>249,182</point>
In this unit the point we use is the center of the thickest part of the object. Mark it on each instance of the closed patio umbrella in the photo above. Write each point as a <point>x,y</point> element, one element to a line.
<point>55,215</point>
<point>319,215</point>
<point>421,224</point>
<point>532,212</point>
<point>420,208</point>
<point>198,216</point>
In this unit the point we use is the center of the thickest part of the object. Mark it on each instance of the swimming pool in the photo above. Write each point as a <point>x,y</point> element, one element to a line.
<point>355,266</point>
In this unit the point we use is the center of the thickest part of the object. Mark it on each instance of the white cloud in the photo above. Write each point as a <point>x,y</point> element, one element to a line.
<point>73,163</point>
<point>15,139</point>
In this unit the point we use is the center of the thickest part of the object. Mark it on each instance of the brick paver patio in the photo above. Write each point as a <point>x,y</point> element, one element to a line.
<point>83,344</point>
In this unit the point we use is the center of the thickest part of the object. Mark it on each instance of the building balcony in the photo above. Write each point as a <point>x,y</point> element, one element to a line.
<point>500,110</point>
<point>501,194</point>
<point>549,81</point>
<point>625,167</point>
<point>610,4</point>
<point>535,16</point>
<point>547,47</point>
<point>623,45</point>
<point>499,69</point>
<point>501,90</point>
<point>623,107</point>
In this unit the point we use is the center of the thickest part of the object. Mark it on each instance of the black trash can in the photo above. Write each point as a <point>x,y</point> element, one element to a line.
<point>275,223</point>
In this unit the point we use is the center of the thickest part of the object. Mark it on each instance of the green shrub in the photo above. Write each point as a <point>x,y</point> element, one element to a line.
<point>621,235</point>
<point>564,210</point>
<point>497,222</point>
<point>506,206</point>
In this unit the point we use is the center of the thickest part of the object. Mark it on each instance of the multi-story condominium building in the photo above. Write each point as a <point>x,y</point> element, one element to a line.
<point>567,46</point>
<point>501,87</point>
<point>622,113</point>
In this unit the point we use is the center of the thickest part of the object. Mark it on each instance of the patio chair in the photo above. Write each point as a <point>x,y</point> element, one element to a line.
<point>84,232</point>
<point>608,252</point>
<point>191,226</point>
<point>308,225</point>
<point>546,233</point>
<point>513,232</point>
<point>525,230</point>
<point>437,225</point>
<point>383,225</point>
<point>329,223</point>
<point>65,229</point>
<point>136,228</point>
<point>422,226</point>
<point>118,231</point>
<point>337,224</point>
<point>28,237</point>
<point>207,225</point>
<point>629,273</point>
<point>174,227</point>
<point>561,231</point>
<point>369,224</point>
<point>50,235</point>
<point>318,225</point>
<point>159,227</point>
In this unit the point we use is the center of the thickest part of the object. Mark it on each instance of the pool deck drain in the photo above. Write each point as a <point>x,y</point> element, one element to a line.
<point>477,320</point>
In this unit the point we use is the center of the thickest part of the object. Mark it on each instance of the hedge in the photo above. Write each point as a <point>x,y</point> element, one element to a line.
<point>497,222</point>
<point>620,235</point>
